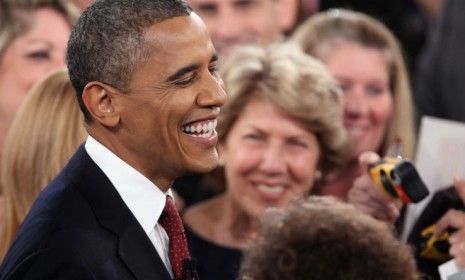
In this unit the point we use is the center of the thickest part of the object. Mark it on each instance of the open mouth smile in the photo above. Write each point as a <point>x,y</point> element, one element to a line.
<point>203,129</point>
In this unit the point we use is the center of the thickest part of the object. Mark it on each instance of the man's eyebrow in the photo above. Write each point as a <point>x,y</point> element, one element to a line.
<point>214,57</point>
<point>182,72</point>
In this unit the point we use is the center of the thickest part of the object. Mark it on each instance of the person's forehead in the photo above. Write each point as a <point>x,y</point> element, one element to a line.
<point>177,30</point>
<point>50,22</point>
<point>222,3</point>
<point>41,32</point>
<point>177,43</point>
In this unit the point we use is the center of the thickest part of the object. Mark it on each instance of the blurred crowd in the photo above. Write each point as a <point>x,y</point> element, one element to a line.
<point>318,93</point>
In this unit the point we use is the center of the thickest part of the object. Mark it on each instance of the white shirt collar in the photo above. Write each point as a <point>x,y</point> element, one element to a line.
<point>145,200</point>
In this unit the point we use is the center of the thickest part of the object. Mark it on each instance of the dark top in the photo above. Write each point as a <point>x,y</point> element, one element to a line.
<point>442,201</point>
<point>214,262</point>
<point>193,189</point>
<point>80,228</point>
<point>440,83</point>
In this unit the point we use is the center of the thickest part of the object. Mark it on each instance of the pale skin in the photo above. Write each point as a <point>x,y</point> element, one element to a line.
<point>365,197</point>
<point>233,23</point>
<point>363,75</point>
<point>28,58</point>
<point>229,225</point>
<point>269,162</point>
<point>83,4</point>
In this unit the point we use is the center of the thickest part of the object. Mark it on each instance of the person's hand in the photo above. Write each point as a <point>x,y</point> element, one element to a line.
<point>455,219</point>
<point>365,197</point>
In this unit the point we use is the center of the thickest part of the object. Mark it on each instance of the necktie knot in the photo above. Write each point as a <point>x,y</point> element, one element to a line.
<point>178,252</point>
<point>170,219</point>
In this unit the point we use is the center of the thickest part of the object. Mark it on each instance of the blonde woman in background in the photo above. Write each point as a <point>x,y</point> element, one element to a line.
<point>33,38</point>
<point>45,133</point>
<point>366,60</point>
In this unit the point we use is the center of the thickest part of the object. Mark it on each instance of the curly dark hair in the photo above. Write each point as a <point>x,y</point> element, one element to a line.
<point>322,238</point>
<point>108,41</point>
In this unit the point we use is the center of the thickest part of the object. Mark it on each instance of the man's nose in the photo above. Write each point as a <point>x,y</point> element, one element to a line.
<point>213,93</point>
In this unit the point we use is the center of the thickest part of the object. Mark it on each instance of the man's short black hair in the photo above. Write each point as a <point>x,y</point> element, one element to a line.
<point>107,42</point>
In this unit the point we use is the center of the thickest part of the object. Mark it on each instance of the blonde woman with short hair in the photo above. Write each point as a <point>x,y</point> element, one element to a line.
<point>280,131</point>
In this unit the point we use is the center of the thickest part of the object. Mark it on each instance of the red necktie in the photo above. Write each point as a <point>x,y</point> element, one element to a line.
<point>178,252</point>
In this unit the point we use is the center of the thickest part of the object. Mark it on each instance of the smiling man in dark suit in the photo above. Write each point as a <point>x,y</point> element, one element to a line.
<point>146,80</point>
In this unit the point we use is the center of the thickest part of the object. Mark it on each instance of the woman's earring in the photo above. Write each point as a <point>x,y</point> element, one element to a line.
<point>220,162</point>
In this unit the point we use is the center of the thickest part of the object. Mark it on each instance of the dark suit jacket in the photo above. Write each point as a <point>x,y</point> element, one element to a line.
<point>440,81</point>
<point>80,228</point>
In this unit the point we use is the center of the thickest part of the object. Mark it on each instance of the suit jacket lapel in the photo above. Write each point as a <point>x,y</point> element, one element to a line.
<point>138,253</point>
<point>134,246</point>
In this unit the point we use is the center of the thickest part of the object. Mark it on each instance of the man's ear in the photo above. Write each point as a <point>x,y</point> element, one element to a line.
<point>99,99</point>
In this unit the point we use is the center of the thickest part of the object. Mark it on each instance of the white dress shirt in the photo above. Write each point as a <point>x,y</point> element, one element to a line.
<point>145,200</point>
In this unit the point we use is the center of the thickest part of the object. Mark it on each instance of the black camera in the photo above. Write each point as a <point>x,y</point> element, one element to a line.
<point>398,179</point>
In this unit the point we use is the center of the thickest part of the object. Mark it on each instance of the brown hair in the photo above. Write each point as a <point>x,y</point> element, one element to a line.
<point>45,132</point>
<point>322,238</point>
<point>318,34</point>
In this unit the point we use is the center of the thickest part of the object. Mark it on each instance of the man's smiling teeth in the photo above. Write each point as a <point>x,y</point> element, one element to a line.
<point>270,189</point>
<point>205,129</point>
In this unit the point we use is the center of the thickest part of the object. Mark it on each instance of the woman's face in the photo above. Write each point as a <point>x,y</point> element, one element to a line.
<point>28,58</point>
<point>269,158</point>
<point>363,75</point>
